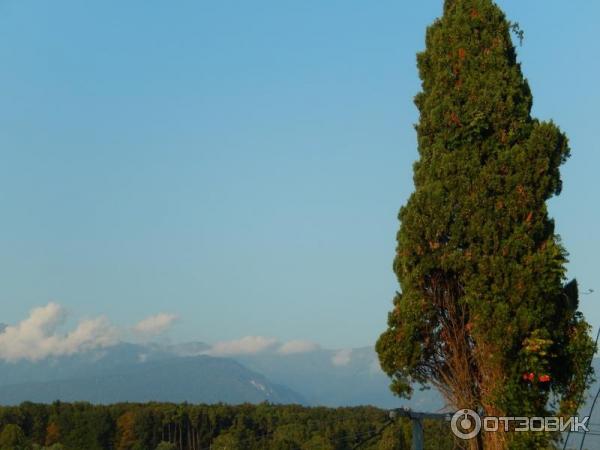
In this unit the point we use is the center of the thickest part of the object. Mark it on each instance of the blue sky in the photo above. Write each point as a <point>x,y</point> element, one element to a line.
<point>241,164</point>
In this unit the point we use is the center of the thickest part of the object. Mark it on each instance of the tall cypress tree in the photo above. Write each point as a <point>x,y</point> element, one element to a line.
<point>485,312</point>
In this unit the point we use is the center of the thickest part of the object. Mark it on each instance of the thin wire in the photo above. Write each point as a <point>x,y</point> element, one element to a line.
<point>262,435</point>
<point>249,438</point>
<point>371,433</point>
<point>591,410</point>
<point>583,392</point>
<point>364,441</point>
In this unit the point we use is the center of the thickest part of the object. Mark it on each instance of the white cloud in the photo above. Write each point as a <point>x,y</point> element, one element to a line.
<point>342,357</point>
<point>298,346</point>
<point>245,346</point>
<point>154,325</point>
<point>37,336</point>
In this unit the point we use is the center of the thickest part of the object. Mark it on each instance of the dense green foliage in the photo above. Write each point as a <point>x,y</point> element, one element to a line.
<point>484,299</point>
<point>167,426</point>
<point>12,437</point>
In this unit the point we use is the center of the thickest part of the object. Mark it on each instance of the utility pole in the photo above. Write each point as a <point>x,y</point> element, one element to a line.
<point>416,419</point>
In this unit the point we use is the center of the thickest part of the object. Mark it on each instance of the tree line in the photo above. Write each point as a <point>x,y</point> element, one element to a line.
<point>168,426</point>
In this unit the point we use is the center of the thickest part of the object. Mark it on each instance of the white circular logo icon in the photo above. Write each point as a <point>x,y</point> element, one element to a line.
<point>465,424</point>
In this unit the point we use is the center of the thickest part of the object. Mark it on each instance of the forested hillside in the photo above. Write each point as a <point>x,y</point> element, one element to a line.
<point>163,426</point>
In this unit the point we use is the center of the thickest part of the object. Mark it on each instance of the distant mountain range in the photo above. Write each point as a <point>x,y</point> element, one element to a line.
<point>184,372</point>
<point>201,379</point>
<point>337,378</point>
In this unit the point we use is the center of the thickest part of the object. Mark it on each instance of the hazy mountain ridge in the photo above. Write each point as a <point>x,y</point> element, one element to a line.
<point>333,378</point>
<point>184,372</point>
<point>201,379</point>
<point>79,365</point>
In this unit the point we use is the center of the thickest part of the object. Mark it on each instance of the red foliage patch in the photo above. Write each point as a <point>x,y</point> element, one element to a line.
<point>544,378</point>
